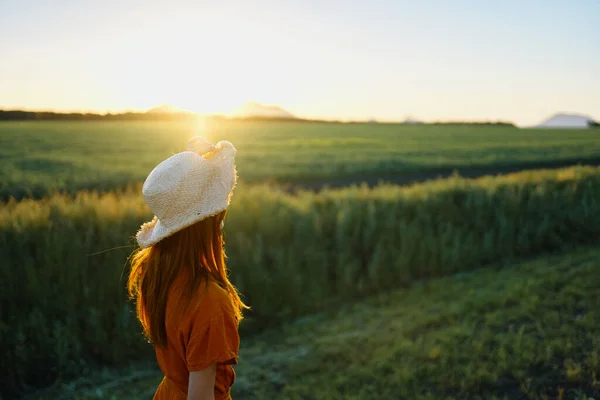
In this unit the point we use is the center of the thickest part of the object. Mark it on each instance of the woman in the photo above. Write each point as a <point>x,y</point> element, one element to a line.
<point>187,307</point>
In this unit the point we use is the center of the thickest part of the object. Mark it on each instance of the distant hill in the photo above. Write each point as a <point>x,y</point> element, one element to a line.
<point>257,110</point>
<point>412,121</point>
<point>167,109</point>
<point>565,120</point>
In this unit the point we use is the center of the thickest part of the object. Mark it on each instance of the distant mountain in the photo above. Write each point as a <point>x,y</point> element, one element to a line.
<point>167,109</point>
<point>567,121</point>
<point>257,110</point>
<point>412,121</point>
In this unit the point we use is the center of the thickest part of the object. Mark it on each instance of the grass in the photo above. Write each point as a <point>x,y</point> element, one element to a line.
<point>523,330</point>
<point>62,298</point>
<point>38,158</point>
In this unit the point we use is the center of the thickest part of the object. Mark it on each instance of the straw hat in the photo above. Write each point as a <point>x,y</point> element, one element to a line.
<point>188,187</point>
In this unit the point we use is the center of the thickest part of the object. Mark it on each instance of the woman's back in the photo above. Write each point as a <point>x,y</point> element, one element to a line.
<point>206,334</point>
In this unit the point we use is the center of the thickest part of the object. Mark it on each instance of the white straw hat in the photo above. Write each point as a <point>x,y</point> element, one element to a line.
<point>188,187</point>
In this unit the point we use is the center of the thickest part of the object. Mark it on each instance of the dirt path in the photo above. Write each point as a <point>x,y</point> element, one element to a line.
<point>405,179</point>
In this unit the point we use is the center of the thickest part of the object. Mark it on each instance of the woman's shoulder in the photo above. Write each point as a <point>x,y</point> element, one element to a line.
<point>217,296</point>
<point>212,301</point>
<point>209,303</point>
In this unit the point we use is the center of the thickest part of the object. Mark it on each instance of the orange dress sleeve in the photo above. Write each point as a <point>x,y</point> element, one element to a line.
<point>215,341</point>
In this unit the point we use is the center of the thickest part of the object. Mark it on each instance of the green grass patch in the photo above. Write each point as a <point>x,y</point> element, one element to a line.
<point>526,330</point>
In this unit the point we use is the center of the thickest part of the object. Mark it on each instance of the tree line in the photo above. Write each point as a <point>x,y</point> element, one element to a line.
<point>18,115</point>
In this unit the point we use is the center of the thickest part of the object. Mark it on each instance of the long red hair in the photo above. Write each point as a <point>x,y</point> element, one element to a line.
<point>196,251</point>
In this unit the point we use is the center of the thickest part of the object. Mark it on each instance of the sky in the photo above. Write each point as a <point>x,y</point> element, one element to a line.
<point>519,61</point>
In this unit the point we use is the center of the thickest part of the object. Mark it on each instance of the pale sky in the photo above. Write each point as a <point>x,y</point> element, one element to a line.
<point>477,60</point>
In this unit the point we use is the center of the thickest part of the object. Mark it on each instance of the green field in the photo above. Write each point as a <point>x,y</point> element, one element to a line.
<point>305,261</point>
<point>37,158</point>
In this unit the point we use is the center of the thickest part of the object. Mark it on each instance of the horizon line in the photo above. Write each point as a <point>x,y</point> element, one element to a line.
<point>407,120</point>
<point>232,115</point>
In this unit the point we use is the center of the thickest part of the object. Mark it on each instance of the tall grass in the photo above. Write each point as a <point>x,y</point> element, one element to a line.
<point>62,301</point>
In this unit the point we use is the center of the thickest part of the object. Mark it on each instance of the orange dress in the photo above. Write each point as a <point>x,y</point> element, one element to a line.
<point>206,334</point>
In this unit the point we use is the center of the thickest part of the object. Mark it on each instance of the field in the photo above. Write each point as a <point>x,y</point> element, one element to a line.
<point>37,158</point>
<point>412,291</point>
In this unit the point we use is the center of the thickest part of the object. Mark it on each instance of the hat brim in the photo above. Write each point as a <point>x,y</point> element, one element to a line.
<point>153,231</point>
